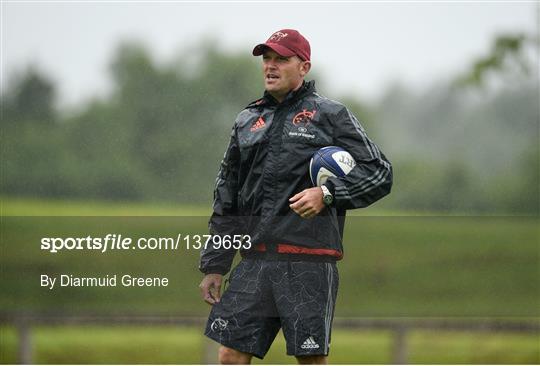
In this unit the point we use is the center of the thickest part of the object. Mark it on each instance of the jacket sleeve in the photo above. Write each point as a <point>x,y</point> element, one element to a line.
<point>224,219</point>
<point>371,178</point>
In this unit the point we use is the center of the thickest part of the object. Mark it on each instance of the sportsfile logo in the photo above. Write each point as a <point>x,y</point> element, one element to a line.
<point>309,344</point>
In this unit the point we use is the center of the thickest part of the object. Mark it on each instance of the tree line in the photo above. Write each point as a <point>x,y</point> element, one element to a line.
<point>161,132</point>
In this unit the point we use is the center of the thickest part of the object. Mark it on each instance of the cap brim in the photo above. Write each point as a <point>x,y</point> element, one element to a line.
<point>279,49</point>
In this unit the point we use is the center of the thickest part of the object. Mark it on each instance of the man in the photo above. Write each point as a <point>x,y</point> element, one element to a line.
<point>288,277</point>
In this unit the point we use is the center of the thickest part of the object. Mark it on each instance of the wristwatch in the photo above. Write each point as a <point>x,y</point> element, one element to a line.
<point>327,196</point>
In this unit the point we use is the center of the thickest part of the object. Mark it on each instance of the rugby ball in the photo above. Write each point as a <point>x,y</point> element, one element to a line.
<point>330,161</point>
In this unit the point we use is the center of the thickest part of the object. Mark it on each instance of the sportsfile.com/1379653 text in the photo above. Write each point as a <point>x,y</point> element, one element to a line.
<point>111,242</point>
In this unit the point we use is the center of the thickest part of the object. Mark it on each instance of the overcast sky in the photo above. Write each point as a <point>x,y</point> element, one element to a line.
<point>359,47</point>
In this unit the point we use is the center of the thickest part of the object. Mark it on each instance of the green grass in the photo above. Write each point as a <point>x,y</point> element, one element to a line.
<point>393,266</point>
<point>409,264</point>
<point>177,345</point>
<point>106,345</point>
<point>11,206</point>
<point>43,207</point>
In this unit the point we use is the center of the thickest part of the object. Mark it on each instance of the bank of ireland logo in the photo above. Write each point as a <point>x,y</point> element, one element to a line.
<point>276,37</point>
<point>218,324</point>
<point>304,117</point>
<point>301,120</point>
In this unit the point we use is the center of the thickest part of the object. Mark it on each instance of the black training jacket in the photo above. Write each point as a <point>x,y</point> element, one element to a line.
<point>267,162</point>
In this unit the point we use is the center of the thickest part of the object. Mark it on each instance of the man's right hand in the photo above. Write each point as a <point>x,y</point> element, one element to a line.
<point>211,288</point>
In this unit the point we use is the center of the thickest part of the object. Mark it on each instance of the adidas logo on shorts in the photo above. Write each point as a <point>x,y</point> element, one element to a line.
<point>309,344</point>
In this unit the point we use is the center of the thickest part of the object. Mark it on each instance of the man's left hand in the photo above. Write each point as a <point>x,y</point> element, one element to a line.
<point>307,203</point>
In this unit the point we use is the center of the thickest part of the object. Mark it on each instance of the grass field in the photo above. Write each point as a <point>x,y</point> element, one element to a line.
<point>36,207</point>
<point>402,265</point>
<point>168,345</point>
<point>393,266</point>
<point>40,207</point>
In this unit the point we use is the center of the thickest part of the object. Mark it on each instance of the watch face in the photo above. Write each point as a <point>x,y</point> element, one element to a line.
<point>327,199</point>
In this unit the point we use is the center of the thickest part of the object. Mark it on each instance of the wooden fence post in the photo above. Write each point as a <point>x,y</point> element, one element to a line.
<point>24,355</point>
<point>399,352</point>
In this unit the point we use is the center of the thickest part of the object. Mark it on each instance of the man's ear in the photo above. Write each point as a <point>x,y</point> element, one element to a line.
<point>305,67</point>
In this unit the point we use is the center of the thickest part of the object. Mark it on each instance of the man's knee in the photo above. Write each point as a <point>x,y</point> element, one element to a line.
<point>312,360</point>
<point>229,356</point>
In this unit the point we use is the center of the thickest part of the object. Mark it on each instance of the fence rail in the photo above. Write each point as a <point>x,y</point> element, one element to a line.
<point>399,326</point>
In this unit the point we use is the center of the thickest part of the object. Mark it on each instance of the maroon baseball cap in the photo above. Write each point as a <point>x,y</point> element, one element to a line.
<point>286,42</point>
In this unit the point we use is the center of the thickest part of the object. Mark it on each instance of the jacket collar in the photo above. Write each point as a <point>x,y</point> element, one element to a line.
<point>307,87</point>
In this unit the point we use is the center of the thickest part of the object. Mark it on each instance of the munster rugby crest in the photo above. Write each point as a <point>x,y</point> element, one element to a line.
<point>218,324</point>
<point>303,117</point>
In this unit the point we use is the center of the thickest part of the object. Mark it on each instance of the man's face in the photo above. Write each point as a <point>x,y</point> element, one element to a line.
<point>283,74</point>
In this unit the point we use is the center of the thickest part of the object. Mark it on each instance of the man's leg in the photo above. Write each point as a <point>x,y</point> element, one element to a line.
<point>229,356</point>
<point>312,360</point>
<point>245,321</point>
<point>306,293</point>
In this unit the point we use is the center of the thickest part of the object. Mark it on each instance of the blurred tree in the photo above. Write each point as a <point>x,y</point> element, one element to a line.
<point>30,97</point>
<point>165,121</point>
<point>507,50</point>
<point>161,133</point>
<point>454,153</point>
<point>508,53</point>
<point>31,142</point>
